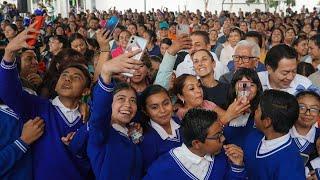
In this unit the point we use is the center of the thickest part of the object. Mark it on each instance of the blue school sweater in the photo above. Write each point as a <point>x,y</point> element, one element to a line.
<point>51,158</point>
<point>237,135</point>
<point>154,146</point>
<point>112,154</point>
<point>282,163</point>
<point>15,155</point>
<point>308,148</point>
<point>168,166</point>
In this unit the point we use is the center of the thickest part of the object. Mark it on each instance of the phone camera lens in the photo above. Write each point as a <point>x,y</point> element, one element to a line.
<point>131,41</point>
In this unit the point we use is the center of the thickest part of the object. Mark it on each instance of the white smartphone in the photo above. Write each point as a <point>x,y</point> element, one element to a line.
<point>135,43</point>
<point>182,29</point>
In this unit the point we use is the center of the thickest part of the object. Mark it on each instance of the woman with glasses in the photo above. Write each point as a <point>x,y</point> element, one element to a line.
<point>246,87</point>
<point>304,131</point>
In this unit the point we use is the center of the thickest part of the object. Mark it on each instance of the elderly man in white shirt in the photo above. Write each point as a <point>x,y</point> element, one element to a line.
<point>200,40</point>
<point>281,74</point>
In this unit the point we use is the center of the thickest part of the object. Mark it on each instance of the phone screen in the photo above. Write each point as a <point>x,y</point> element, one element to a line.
<point>112,24</point>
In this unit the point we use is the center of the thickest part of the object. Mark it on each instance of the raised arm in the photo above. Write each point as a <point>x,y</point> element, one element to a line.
<point>169,59</point>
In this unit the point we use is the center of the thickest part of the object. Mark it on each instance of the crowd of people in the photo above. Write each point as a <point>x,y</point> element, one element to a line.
<point>232,96</point>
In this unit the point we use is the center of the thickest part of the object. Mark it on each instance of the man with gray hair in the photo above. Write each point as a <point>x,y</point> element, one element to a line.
<point>246,55</point>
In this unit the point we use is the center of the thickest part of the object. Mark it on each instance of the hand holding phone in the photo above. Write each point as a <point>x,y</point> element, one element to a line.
<point>135,43</point>
<point>243,90</point>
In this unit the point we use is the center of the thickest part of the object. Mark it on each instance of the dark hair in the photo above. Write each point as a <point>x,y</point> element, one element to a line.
<point>251,75</point>
<point>255,34</point>
<point>178,85</point>
<point>281,107</point>
<point>75,36</point>
<point>237,30</point>
<point>93,42</point>
<point>277,53</point>
<point>14,27</point>
<point>83,69</point>
<point>308,93</point>
<point>123,86</point>
<point>281,32</point>
<point>316,39</point>
<point>305,69</point>
<point>62,40</point>
<point>203,34</point>
<point>153,36</point>
<point>166,41</point>
<point>149,91</point>
<point>312,23</point>
<point>299,39</point>
<point>195,125</point>
<point>204,50</point>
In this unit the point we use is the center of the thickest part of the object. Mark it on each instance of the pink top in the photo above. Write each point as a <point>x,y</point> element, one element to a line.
<point>207,105</point>
<point>117,52</point>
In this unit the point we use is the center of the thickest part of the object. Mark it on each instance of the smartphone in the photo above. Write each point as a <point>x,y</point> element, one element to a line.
<point>182,29</point>
<point>39,22</point>
<point>112,24</point>
<point>135,43</point>
<point>243,90</point>
<point>305,158</point>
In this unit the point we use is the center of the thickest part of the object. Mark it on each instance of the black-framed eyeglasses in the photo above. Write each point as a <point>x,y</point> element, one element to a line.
<point>245,59</point>
<point>313,111</point>
<point>217,136</point>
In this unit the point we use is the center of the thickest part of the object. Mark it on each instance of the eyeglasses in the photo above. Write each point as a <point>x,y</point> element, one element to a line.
<point>245,59</point>
<point>217,136</point>
<point>313,111</point>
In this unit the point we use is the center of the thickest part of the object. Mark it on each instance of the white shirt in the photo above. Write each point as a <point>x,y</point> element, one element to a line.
<point>120,129</point>
<point>270,145</point>
<point>186,67</point>
<point>71,115</point>
<point>309,137</point>
<point>163,134</point>
<point>298,80</point>
<point>240,121</point>
<point>226,54</point>
<point>198,166</point>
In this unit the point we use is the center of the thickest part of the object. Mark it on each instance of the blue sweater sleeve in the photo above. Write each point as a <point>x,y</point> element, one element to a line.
<point>99,123</point>
<point>11,92</point>
<point>78,145</point>
<point>236,172</point>
<point>11,154</point>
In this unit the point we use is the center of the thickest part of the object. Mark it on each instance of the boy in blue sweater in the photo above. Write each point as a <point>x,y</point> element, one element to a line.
<point>51,158</point>
<point>271,153</point>
<point>200,157</point>
<point>15,138</point>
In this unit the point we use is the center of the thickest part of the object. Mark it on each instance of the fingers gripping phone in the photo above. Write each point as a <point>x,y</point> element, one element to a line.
<point>135,43</point>
<point>112,24</point>
<point>39,20</point>
<point>243,90</point>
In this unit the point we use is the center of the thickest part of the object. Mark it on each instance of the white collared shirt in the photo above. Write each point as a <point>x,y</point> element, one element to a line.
<point>298,80</point>
<point>71,115</point>
<point>120,129</point>
<point>186,67</point>
<point>195,164</point>
<point>269,145</point>
<point>303,139</point>
<point>163,134</point>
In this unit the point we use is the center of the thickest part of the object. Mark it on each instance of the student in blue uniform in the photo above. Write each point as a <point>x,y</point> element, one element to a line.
<point>161,130</point>
<point>15,141</point>
<point>237,129</point>
<point>51,158</point>
<point>304,132</point>
<point>112,153</point>
<point>272,153</point>
<point>200,157</point>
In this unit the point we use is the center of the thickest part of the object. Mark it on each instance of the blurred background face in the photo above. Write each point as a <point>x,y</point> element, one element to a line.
<point>79,45</point>
<point>9,32</point>
<point>302,48</point>
<point>124,39</point>
<point>29,63</point>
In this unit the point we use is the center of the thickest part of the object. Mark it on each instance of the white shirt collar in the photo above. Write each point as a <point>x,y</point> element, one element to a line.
<point>71,115</point>
<point>120,129</point>
<point>308,137</point>
<point>163,134</point>
<point>198,166</point>
<point>270,145</point>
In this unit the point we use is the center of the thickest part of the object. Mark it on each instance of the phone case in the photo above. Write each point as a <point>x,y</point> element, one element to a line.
<point>135,43</point>
<point>39,22</point>
<point>182,29</point>
<point>112,24</point>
